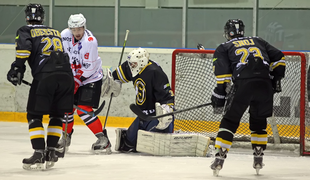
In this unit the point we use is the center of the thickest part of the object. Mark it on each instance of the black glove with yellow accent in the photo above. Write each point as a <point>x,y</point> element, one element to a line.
<point>16,74</point>
<point>218,99</point>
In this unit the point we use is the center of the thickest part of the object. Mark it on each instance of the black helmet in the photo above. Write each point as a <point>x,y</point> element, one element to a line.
<point>233,28</point>
<point>34,12</point>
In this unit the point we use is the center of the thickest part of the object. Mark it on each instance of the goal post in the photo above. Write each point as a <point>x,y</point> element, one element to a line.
<point>193,81</point>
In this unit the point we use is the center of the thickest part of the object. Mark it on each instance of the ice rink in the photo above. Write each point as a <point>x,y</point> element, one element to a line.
<point>80,164</point>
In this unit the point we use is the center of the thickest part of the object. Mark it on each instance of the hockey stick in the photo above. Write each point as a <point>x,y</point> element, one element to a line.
<point>119,63</point>
<point>92,113</point>
<point>62,154</point>
<point>134,108</point>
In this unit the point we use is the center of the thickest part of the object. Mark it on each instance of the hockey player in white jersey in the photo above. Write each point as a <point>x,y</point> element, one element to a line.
<point>82,47</point>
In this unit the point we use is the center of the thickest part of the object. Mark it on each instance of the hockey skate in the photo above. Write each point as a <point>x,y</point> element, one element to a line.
<point>258,159</point>
<point>102,144</point>
<point>61,143</point>
<point>218,162</point>
<point>120,144</point>
<point>37,159</point>
<point>50,157</point>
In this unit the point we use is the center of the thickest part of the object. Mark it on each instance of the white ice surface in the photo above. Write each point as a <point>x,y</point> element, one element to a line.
<point>80,164</point>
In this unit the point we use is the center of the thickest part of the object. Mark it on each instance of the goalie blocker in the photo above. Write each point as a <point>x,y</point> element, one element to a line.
<point>173,144</point>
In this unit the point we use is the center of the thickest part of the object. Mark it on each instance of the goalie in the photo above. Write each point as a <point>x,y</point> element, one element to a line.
<point>154,97</point>
<point>151,85</point>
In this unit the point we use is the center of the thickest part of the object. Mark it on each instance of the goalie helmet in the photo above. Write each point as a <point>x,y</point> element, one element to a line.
<point>233,28</point>
<point>34,12</point>
<point>76,20</point>
<point>137,60</point>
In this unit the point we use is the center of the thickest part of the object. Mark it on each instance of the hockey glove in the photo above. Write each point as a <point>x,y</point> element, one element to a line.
<point>77,80</point>
<point>16,74</point>
<point>109,85</point>
<point>164,122</point>
<point>200,47</point>
<point>276,84</point>
<point>218,99</point>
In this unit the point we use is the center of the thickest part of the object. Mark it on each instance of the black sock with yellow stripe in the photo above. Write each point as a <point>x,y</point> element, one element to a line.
<point>54,131</point>
<point>36,132</point>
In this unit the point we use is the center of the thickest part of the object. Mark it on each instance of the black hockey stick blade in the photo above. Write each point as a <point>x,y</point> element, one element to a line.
<point>100,108</point>
<point>135,109</point>
<point>26,82</point>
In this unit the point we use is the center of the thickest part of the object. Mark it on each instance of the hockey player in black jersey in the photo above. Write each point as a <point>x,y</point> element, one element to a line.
<point>256,69</point>
<point>153,96</point>
<point>51,90</point>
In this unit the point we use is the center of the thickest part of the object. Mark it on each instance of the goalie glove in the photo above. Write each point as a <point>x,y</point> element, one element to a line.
<point>164,122</point>
<point>109,85</point>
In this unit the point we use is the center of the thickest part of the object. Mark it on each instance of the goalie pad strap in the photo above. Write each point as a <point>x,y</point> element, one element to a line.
<point>172,144</point>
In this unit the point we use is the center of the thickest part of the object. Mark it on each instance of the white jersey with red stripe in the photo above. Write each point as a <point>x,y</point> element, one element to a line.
<point>83,56</point>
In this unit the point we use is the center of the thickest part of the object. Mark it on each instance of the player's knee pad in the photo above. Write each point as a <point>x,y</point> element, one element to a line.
<point>34,116</point>
<point>258,125</point>
<point>230,125</point>
<point>55,121</point>
<point>34,120</point>
<point>35,123</point>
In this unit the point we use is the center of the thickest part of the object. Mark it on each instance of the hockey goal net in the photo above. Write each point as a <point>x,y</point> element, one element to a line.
<point>193,82</point>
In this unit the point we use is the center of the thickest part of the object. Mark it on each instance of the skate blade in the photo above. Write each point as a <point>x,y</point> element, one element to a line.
<point>34,167</point>
<point>61,150</point>
<point>49,164</point>
<point>216,172</point>
<point>257,168</point>
<point>102,151</point>
<point>257,171</point>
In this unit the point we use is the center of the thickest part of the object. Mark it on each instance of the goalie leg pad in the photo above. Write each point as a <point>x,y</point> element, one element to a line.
<point>119,140</point>
<point>170,144</point>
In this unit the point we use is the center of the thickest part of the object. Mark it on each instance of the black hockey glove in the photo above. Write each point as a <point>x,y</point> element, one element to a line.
<point>276,84</point>
<point>200,46</point>
<point>218,99</point>
<point>16,74</point>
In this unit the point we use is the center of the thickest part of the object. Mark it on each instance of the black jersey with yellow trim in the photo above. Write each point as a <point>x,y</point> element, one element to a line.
<point>34,43</point>
<point>232,55</point>
<point>151,85</point>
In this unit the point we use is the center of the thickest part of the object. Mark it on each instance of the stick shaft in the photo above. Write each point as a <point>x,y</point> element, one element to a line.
<point>119,63</point>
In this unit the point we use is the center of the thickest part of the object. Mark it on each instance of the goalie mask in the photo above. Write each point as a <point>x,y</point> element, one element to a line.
<point>233,28</point>
<point>137,60</point>
<point>34,12</point>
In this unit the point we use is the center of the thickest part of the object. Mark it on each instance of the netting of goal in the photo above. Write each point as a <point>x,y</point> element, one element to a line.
<point>193,82</point>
